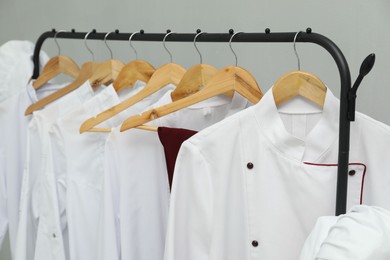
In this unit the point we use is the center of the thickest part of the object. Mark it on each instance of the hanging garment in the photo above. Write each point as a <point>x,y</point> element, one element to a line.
<point>38,148</point>
<point>136,189</point>
<point>171,139</point>
<point>78,166</point>
<point>249,188</point>
<point>13,132</point>
<point>363,233</point>
<point>16,66</point>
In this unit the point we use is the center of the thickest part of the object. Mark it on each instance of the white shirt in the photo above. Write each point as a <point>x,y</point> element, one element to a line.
<point>13,132</point>
<point>136,188</point>
<point>16,66</point>
<point>78,165</point>
<point>33,206</point>
<point>363,233</point>
<point>249,188</point>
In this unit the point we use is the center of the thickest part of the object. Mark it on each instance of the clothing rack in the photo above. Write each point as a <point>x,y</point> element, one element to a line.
<point>347,96</point>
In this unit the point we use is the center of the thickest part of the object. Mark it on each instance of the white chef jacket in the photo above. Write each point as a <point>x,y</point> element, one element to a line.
<point>363,233</point>
<point>249,188</point>
<point>78,165</point>
<point>13,132</point>
<point>136,189</point>
<point>16,66</point>
<point>32,205</point>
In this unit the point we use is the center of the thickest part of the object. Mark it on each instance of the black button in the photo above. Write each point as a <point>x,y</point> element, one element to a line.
<point>54,235</point>
<point>255,243</point>
<point>352,172</point>
<point>249,165</point>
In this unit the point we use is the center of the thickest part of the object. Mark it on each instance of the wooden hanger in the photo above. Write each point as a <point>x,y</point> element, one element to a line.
<point>57,65</point>
<point>86,71</point>
<point>133,71</point>
<point>195,78</point>
<point>167,74</point>
<point>108,71</point>
<point>227,80</point>
<point>170,73</point>
<point>299,83</point>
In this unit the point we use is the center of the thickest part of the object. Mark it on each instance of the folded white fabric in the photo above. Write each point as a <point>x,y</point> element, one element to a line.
<point>361,234</point>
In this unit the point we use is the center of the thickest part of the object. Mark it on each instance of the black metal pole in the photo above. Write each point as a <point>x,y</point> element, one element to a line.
<point>279,37</point>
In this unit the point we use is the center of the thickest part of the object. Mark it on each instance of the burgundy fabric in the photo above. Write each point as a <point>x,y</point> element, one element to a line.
<point>171,139</point>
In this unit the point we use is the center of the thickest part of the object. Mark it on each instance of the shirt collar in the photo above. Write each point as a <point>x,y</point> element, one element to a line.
<point>318,140</point>
<point>31,91</point>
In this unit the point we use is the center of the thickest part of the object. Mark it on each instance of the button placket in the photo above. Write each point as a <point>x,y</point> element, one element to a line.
<point>250,181</point>
<point>355,185</point>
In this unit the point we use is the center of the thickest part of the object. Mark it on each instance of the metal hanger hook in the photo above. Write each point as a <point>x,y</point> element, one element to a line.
<point>55,40</point>
<point>231,48</point>
<point>165,47</point>
<point>108,47</point>
<point>131,44</point>
<point>86,45</point>
<point>196,47</point>
<point>295,50</point>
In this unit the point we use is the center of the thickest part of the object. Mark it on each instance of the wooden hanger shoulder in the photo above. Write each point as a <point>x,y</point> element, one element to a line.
<point>233,78</point>
<point>227,80</point>
<point>86,71</point>
<point>193,80</point>
<point>166,74</point>
<point>106,73</point>
<point>299,83</point>
<point>170,73</point>
<point>55,66</point>
<point>131,72</point>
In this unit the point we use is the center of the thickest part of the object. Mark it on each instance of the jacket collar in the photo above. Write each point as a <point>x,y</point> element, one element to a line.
<point>317,141</point>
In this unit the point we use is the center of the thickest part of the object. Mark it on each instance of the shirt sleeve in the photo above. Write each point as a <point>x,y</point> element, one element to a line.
<point>109,227</point>
<point>59,171</point>
<point>26,236</point>
<point>190,216</point>
<point>49,243</point>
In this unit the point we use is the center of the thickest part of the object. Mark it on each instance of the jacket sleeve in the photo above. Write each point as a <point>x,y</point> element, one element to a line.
<point>190,216</point>
<point>362,233</point>
<point>109,227</point>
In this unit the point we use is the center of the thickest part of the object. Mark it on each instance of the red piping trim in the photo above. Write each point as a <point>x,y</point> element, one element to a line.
<point>335,164</point>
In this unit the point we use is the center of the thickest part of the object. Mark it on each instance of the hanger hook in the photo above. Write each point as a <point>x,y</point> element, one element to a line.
<point>196,47</point>
<point>86,45</point>
<point>295,50</point>
<point>165,47</point>
<point>231,48</point>
<point>131,45</point>
<point>108,47</point>
<point>55,40</point>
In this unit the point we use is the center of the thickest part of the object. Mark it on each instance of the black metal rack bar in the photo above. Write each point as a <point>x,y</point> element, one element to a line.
<point>267,37</point>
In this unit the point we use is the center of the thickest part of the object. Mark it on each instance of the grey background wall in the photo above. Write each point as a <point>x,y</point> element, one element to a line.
<point>359,27</point>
